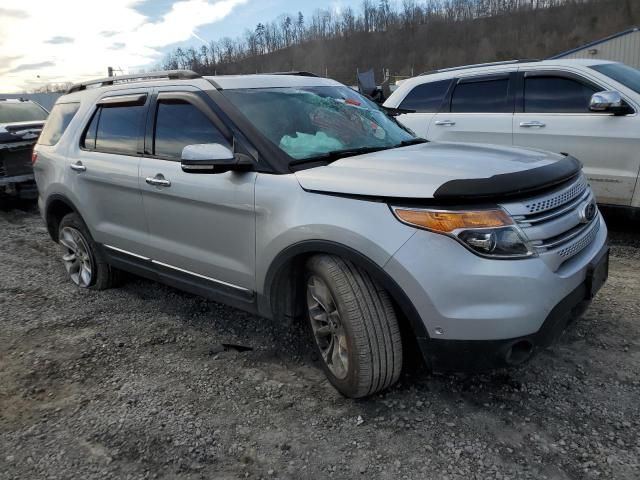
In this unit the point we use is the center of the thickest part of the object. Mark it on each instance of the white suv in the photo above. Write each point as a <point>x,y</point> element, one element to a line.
<point>584,108</point>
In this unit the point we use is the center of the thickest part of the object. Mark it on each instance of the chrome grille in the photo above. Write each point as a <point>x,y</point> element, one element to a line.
<point>554,222</point>
<point>583,243</point>
<point>560,199</point>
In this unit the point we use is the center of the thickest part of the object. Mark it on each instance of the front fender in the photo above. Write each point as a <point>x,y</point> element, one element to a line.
<point>287,215</point>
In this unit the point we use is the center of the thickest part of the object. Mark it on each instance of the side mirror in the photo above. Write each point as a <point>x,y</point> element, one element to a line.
<point>213,158</point>
<point>609,102</point>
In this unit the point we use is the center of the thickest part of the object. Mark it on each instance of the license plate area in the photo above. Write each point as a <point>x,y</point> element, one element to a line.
<point>597,274</point>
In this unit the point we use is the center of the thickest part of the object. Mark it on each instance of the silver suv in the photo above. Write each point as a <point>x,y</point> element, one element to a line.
<point>293,196</point>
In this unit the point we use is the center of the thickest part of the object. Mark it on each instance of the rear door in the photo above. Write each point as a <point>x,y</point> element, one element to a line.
<point>478,109</point>
<point>201,226</point>
<point>553,114</point>
<point>103,170</point>
<point>424,101</point>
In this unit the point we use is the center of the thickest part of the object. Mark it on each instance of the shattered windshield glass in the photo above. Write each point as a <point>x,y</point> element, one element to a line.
<point>315,121</point>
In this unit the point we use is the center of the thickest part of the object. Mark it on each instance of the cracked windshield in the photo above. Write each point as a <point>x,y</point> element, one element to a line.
<point>315,121</point>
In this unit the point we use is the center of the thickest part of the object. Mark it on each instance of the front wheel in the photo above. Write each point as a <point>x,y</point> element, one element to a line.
<point>354,326</point>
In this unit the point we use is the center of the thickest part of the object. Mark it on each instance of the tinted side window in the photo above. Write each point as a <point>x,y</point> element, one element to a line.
<point>426,98</point>
<point>57,123</point>
<point>179,124</point>
<point>556,95</point>
<point>119,128</point>
<point>489,96</point>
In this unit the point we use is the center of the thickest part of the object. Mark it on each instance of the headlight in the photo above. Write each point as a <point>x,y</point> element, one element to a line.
<point>490,233</point>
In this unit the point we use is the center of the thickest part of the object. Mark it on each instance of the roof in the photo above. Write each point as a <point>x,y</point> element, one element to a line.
<point>93,89</point>
<point>478,65</point>
<point>596,42</point>
<point>279,79</point>
<point>235,82</point>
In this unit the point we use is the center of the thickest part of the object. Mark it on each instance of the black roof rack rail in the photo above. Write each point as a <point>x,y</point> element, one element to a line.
<point>169,74</point>
<point>296,73</point>
<point>489,64</point>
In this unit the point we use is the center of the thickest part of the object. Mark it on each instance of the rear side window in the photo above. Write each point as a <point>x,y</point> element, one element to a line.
<point>178,124</point>
<point>115,129</point>
<point>57,123</point>
<point>426,98</point>
<point>482,96</point>
<point>549,94</point>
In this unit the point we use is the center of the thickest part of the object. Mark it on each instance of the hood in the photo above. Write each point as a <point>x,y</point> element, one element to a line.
<point>442,171</point>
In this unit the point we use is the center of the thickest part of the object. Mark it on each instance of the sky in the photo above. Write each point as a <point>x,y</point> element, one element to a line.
<point>46,41</point>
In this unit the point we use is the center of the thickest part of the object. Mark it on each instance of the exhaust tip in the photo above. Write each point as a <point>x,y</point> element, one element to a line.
<point>519,352</point>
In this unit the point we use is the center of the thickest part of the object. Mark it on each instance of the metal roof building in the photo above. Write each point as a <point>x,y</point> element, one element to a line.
<point>621,47</point>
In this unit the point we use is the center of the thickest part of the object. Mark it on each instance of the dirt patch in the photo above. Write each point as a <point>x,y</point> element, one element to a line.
<point>133,383</point>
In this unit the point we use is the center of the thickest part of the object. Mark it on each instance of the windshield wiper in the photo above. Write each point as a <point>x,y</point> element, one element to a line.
<point>334,155</point>
<point>395,112</point>
<point>413,141</point>
<point>338,154</point>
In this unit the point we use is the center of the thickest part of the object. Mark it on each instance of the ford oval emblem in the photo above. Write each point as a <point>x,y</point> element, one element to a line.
<point>588,212</point>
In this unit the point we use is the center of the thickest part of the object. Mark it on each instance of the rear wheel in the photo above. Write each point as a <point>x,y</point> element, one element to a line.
<point>354,327</point>
<point>85,265</point>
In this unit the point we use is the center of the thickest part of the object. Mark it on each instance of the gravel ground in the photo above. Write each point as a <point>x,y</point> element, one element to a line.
<point>136,383</point>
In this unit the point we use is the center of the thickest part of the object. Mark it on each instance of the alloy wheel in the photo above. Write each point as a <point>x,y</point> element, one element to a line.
<point>327,327</point>
<point>76,257</point>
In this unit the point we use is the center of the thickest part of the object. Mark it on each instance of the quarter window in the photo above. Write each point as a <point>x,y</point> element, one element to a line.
<point>549,94</point>
<point>426,98</point>
<point>178,124</point>
<point>57,123</point>
<point>115,129</point>
<point>89,140</point>
<point>482,96</point>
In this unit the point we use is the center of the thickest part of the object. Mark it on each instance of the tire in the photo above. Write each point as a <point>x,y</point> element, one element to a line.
<point>354,327</point>
<point>85,264</point>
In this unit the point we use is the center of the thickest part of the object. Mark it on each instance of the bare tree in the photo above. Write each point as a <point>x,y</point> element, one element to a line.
<point>411,36</point>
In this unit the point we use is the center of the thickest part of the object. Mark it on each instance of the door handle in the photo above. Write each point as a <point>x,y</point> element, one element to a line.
<point>533,124</point>
<point>78,167</point>
<point>158,181</point>
<point>445,123</point>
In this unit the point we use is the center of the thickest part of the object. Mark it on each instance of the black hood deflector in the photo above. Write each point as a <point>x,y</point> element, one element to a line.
<point>510,184</point>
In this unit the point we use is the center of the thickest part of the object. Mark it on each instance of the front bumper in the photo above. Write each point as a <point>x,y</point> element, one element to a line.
<point>479,355</point>
<point>475,309</point>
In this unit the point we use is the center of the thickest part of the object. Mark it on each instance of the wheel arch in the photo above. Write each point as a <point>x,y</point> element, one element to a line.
<point>283,283</point>
<point>56,208</point>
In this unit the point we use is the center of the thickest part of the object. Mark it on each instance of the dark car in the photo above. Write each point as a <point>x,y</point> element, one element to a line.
<point>21,122</point>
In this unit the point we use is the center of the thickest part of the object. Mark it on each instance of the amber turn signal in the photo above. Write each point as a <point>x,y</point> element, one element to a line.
<point>449,221</point>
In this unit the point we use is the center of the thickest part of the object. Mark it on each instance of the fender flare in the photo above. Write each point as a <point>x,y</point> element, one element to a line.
<point>56,197</point>
<point>398,295</point>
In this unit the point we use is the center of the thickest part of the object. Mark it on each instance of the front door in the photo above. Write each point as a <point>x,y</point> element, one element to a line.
<point>555,116</point>
<point>200,225</point>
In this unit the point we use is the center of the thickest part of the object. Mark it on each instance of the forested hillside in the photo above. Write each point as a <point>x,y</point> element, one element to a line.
<point>414,37</point>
